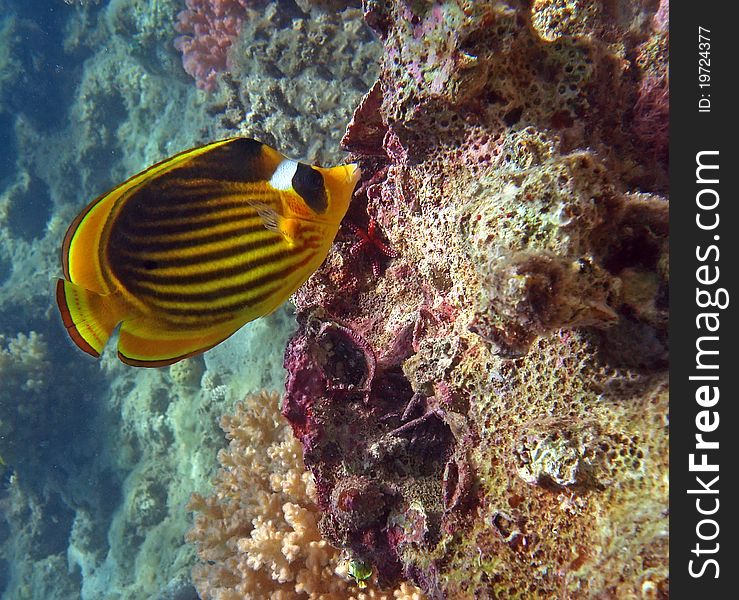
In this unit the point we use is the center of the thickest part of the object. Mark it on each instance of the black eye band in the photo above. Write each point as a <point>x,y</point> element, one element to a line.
<point>309,184</point>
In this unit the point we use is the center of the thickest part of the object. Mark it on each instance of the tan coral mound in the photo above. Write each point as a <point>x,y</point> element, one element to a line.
<point>257,536</point>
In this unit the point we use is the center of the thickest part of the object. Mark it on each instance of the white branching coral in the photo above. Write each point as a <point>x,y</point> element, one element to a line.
<point>257,536</point>
<point>23,361</point>
<point>24,377</point>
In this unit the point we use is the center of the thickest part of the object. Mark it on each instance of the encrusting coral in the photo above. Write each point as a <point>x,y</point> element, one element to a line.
<point>257,536</point>
<point>483,404</point>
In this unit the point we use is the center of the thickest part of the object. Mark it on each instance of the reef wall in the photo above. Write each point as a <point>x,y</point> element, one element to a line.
<point>257,535</point>
<point>478,379</point>
<point>479,376</point>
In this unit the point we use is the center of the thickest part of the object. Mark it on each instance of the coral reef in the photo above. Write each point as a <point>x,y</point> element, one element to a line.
<point>88,101</point>
<point>288,75</point>
<point>41,406</point>
<point>294,78</point>
<point>209,28</point>
<point>99,461</point>
<point>24,364</point>
<point>257,536</point>
<point>478,378</point>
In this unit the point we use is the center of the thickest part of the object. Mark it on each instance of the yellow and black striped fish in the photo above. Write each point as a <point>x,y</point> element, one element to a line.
<point>186,252</point>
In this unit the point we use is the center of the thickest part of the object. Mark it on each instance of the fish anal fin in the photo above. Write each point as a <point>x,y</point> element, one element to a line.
<point>88,317</point>
<point>144,342</point>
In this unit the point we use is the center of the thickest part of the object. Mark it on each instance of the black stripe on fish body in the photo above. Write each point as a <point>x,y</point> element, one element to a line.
<point>197,278</point>
<point>194,318</point>
<point>155,208</point>
<point>173,201</point>
<point>197,318</point>
<point>126,241</point>
<point>229,290</point>
<point>231,306</point>
<point>254,271</point>
<point>157,261</point>
<point>160,272</point>
<point>227,307</point>
<point>195,253</point>
<point>309,184</point>
<point>218,232</point>
<point>147,219</point>
<point>138,235</point>
<point>236,167</point>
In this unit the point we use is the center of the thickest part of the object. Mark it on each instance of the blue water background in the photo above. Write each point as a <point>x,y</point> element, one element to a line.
<point>58,430</point>
<point>54,461</point>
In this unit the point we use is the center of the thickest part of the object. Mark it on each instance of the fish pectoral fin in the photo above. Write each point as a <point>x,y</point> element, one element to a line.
<point>269,216</point>
<point>89,317</point>
<point>145,342</point>
<point>287,227</point>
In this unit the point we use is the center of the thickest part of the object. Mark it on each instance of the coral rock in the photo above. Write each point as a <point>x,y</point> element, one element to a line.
<point>258,536</point>
<point>504,377</point>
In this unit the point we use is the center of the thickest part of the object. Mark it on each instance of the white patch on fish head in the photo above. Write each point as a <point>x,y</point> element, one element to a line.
<point>282,178</point>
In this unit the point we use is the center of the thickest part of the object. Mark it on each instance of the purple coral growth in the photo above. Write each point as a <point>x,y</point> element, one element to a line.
<point>209,28</point>
<point>661,20</point>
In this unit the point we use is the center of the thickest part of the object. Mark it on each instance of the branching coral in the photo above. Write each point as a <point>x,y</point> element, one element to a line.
<point>258,536</point>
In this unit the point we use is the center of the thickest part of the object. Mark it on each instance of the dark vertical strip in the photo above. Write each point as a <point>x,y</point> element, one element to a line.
<point>703,403</point>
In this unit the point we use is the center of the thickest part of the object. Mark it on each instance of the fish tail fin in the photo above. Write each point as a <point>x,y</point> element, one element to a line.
<point>89,317</point>
<point>145,343</point>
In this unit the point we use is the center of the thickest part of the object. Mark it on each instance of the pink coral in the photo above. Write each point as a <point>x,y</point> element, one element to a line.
<point>209,28</point>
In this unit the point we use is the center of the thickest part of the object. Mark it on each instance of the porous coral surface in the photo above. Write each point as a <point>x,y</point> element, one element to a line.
<point>258,536</point>
<point>295,77</point>
<point>478,378</point>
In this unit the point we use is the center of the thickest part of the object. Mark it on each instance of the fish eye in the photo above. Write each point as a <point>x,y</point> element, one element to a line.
<point>150,265</point>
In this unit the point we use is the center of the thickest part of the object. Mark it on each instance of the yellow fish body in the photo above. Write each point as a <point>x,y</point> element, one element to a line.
<point>188,251</point>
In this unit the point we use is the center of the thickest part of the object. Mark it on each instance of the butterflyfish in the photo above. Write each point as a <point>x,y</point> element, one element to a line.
<point>188,251</point>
